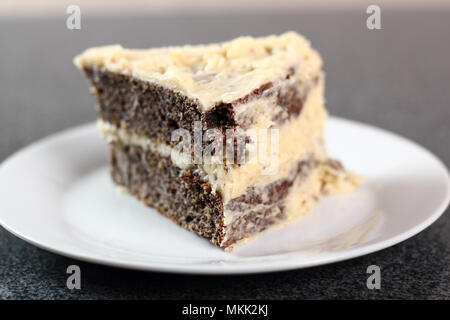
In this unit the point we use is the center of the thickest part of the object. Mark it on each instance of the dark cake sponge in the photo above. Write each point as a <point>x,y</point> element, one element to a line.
<point>185,198</point>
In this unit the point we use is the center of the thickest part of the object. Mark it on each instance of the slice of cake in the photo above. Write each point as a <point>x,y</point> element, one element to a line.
<point>224,139</point>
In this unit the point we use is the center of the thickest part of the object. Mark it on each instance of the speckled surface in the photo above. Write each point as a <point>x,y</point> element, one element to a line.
<point>396,78</point>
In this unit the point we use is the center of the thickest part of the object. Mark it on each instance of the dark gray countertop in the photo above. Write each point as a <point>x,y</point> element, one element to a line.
<point>397,78</point>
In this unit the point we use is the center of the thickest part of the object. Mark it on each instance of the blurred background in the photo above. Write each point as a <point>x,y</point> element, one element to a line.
<point>396,78</point>
<point>117,7</point>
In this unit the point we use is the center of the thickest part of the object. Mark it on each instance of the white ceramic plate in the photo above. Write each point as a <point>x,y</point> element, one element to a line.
<point>56,194</point>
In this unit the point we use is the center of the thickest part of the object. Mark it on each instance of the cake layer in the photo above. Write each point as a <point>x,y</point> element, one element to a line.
<point>155,111</point>
<point>212,74</point>
<point>184,197</point>
<point>180,195</point>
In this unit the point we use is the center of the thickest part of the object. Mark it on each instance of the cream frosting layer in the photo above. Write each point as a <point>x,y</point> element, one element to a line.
<point>213,73</point>
<point>297,138</point>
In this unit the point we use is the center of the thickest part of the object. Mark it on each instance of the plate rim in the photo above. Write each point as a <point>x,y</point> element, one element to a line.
<point>247,268</point>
